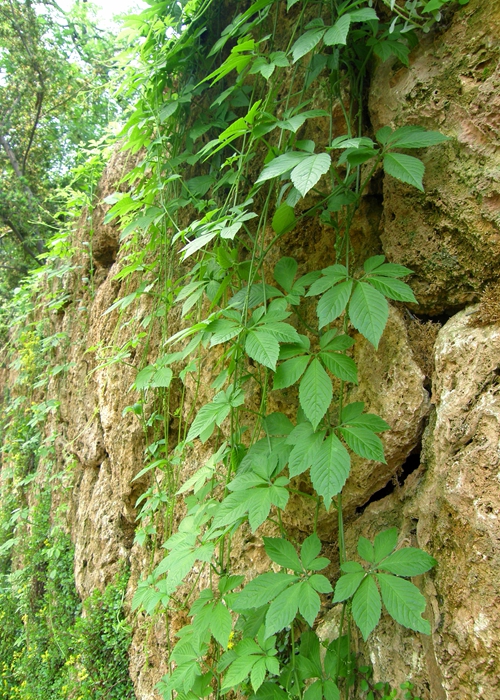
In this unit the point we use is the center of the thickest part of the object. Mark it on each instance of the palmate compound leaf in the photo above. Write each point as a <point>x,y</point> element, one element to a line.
<point>368,312</point>
<point>330,469</point>
<point>366,606</point>
<point>404,602</point>
<point>315,392</point>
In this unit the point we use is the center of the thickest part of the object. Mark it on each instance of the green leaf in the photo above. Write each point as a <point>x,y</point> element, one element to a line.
<point>330,469</point>
<point>365,14</point>
<point>263,348</point>
<point>310,549</point>
<point>315,392</point>
<point>366,606</point>
<point>338,33</point>
<point>239,670</point>
<point>314,691</point>
<point>404,602</point>
<point>285,270</point>
<point>408,561</point>
<point>365,420</point>
<point>393,270</point>
<point>364,443</point>
<point>269,690</point>
<point>283,609</point>
<point>415,137</point>
<point>306,445</point>
<point>206,418</point>
<point>347,586</point>
<point>351,567</point>
<point>283,553</point>
<point>259,506</point>
<point>290,371</point>
<point>320,583</point>
<point>365,549</point>
<point>331,276</point>
<point>306,43</point>
<point>258,674</point>
<point>281,165</point>
<point>223,330</point>
<point>305,175</point>
<point>368,312</point>
<point>405,168</point>
<point>221,624</point>
<point>372,263</point>
<point>330,690</point>
<point>393,288</point>
<point>333,302</point>
<point>283,332</point>
<point>330,341</point>
<point>277,424</point>
<point>340,366</point>
<point>283,221</point>
<point>309,603</point>
<point>385,542</point>
<point>262,590</point>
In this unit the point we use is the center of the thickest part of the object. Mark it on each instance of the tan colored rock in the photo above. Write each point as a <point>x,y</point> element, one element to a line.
<point>450,235</point>
<point>458,518</point>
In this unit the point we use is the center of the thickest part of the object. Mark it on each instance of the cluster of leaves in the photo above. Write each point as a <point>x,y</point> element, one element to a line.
<point>47,647</point>
<point>247,640</point>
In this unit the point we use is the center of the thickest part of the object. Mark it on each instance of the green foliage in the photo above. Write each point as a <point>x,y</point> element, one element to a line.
<point>244,639</point>
<point>54,99</point>
<point>228,171</point>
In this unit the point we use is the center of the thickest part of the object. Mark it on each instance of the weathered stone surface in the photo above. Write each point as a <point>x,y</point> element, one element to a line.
<point>450,235</point>
<point>457,509</point>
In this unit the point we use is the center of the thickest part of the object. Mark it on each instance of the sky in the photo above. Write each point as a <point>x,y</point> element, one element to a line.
<point>108,8</point>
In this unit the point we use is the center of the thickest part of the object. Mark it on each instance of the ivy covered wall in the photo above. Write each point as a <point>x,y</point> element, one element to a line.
<point>224,384</point>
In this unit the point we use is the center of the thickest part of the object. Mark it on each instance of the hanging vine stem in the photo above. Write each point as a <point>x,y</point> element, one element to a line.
<point>250,318</point>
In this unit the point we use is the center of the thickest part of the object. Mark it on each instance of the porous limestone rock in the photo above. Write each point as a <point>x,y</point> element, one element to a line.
<point>448,235</point>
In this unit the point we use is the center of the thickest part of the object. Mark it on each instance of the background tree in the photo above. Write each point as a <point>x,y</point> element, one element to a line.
<point>54,96</point>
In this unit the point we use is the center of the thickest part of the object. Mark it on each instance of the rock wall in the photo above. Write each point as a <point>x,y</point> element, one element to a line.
<point>440,485</point>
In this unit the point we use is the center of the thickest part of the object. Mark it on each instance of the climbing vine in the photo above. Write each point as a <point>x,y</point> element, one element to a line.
<point>230,171</point>
<point>238,144</point>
